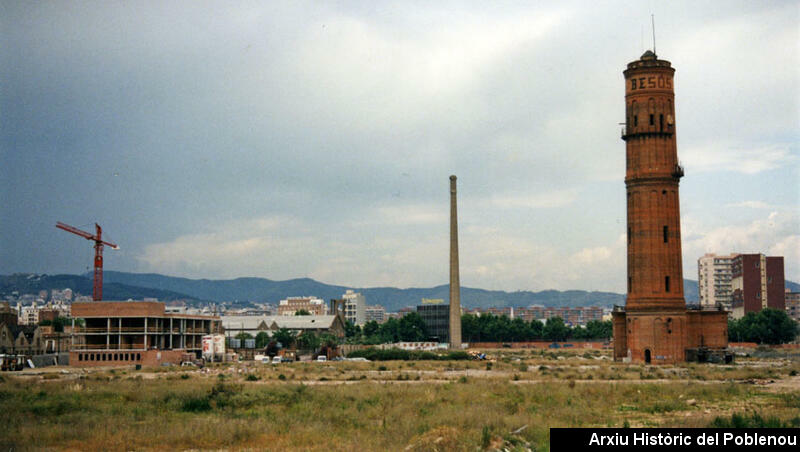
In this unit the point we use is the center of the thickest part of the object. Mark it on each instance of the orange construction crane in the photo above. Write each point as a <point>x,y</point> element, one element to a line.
<point>97,292</point>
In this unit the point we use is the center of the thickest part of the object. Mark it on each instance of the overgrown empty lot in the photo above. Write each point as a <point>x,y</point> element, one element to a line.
<point>427,405</point>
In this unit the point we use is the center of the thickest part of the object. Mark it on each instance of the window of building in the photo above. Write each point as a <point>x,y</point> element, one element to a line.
<point>661,122</point>
<point>635,120</point>
<point>630,284</point>
<point>138,357</point>
<point>666,234</point>
<point>629,235</point>
<point>652,120</point>
<point>666,283</point>
<point>80,356</point>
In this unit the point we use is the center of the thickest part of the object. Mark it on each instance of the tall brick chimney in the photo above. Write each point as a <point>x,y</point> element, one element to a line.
<point>455,288</point>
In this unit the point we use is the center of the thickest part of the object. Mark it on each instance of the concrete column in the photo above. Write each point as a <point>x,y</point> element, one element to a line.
<point>455,285</point>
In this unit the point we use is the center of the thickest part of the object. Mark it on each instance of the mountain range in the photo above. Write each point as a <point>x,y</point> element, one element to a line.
<point>123,286</point>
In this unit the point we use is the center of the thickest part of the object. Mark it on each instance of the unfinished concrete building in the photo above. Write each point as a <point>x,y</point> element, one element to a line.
<point>136,332</point>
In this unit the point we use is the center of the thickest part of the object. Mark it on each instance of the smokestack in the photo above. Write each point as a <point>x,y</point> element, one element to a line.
<point>455,286</point>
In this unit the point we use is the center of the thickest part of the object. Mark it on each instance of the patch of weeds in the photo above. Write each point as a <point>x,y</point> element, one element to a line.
<point>184,376</point>
<point>196,404</point>
<point>486,437</point>
<point>282,377</point>
<point>516,377</point>
<point>382,368</point>
<point>489,365</point>
<point>251,377</point>
<point>753,421</point>
<point>462,379</point>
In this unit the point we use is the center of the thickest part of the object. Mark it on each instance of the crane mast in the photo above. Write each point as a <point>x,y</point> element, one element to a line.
<point>97,238</point>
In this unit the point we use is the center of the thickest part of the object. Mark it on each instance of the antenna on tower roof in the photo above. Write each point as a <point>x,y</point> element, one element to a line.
<point>653,21</point>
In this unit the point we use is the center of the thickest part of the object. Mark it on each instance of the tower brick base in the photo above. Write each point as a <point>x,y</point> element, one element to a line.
<point>669,337</point>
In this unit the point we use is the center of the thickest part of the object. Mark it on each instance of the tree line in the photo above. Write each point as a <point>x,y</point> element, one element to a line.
<point>768,326</point>
<point>483,328</point>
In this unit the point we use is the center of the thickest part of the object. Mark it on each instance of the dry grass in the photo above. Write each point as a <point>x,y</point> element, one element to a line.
<point>363,406</point>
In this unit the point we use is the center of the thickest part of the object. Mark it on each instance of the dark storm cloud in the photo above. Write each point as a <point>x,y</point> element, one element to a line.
<point>295,139</point>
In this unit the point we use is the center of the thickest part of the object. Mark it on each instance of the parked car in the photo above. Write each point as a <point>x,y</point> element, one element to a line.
<point>276,360</point>
<point>322,358</point>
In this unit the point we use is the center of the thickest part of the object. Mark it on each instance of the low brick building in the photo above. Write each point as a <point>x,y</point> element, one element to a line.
<point>670,337</point>
<point>135,332</point>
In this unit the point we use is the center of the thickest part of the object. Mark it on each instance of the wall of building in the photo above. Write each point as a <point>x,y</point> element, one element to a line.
<point>123,357</point>
<point>776,284</point>
<point>707,329</point>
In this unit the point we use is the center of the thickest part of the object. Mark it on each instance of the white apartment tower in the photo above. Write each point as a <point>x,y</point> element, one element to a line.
<point>714,279</point>
<point>355,308</point>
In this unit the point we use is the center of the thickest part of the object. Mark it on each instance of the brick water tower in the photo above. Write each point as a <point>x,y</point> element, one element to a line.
<point>655,326</point>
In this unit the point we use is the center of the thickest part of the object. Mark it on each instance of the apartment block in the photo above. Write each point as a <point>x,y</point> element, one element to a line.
<point>571,316</point>
<point>757,282</point>
<point>355,308</point>
<point>714,273</point>
<point>375,313</point>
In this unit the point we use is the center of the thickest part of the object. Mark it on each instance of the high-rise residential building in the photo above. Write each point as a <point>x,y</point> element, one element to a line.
<point>757,282</point>
<point>312,305</point>
<point>714,279</point>
<point>354,308</point>
<point>375,313</point>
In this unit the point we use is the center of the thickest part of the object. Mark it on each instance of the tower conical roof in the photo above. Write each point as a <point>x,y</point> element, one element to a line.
<point>648,55</point>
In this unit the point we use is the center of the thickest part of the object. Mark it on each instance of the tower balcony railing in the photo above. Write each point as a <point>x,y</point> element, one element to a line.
<point>626,133</point>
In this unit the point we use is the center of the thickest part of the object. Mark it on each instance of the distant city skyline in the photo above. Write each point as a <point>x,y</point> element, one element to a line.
<point>314,140</point>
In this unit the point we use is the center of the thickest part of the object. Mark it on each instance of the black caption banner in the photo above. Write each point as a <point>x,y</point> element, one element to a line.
<point>673,439</point>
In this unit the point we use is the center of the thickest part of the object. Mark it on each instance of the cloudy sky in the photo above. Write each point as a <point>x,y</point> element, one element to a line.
<point>294,139</point>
